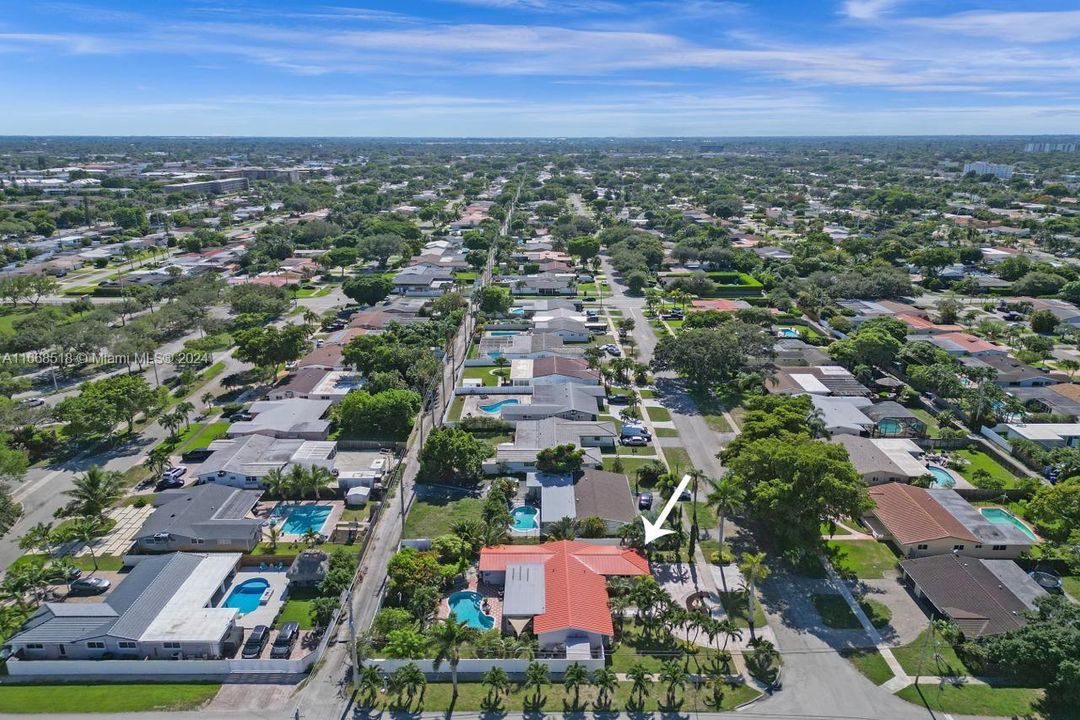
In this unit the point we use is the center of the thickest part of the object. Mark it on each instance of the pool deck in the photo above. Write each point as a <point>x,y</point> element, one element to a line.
<point>472,404</point>
<point>266,509</point>
<point>264,614</point>
<point>489,592</point>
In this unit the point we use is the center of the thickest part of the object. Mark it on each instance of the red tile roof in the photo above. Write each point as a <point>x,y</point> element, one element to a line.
<point>971,343</point>
<point>721,305</point>
<point>918,322</point>
<point>574,589</point>
<point>911,515</point>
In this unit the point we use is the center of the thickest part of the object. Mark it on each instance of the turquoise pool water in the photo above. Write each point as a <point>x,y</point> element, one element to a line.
<point>245,596</point>
<point>517,311</point>
<point>465,607</point>
<point>494,408</point>
<point>942,478</point>
<point>789,333</point>
<point>1000,516</point>
<point>298,519</point>
<point>524,518</point>
<point>504,333</point>
<point>890,427</point>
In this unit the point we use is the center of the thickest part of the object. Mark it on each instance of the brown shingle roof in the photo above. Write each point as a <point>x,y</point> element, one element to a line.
<point>912,516</point>
<point>606,495</point>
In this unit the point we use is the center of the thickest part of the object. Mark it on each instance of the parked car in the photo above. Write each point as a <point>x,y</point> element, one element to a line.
<point>613,350</point>
<point>32,402</point>
<point>644,501</point>
<point>169,483</point>
<point>89,585</point>
<point>174,472</point>
<point>286,638</point>
<point>256,641</point>
<point>634,440</point>
<point>685,496</point>
<point>619,400</point>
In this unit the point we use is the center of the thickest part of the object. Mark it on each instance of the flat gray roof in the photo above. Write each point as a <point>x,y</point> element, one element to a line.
<point>524,593</point>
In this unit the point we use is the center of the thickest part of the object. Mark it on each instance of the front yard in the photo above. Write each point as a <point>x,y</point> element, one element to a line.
<point>974,699</point>
<point>864,559</point>
<point>104,698</point>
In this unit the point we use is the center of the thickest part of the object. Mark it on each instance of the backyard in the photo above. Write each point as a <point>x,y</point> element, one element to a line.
<point>979,460</point>
<point>436,511</point>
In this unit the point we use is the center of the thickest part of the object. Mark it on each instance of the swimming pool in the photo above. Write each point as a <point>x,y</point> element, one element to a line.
<point>942,478</point>
<point>517,311</point>
<point>524,518</point>
<point>465,607</point>
<point>1001,516</point>
<point>504,333</point>
<point>789,333</point>
<point>494,408</point>
<point>298,519</point>
<point>246,596</point>
<point>890,427</point>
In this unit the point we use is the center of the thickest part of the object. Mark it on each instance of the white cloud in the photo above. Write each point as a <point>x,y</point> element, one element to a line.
<point>1023,27</point>
<point>868,10</point>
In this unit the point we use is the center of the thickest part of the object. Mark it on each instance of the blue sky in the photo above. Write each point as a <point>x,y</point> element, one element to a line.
<point>540,67</point>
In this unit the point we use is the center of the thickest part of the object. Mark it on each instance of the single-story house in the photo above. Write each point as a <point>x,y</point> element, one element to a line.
<point>527,346</point>
<point>532,436</point>
<point>1047,435</point>
<point>559,589</point>
<point>544,285</point>
<point>961,344</point>
<point>883,460</point>
<point>934,522</point>
<point>819,380</point>
<point>569,401</point>
<point>295,418</point>
<point>592,493</point>
<point>554,369</point>
<point>843,415</point>
<point>571,330</point>
<point>203,518</point>
<point>980,597</point>
<point>245,462</point>
<point>163,609</point>
<point>1013,373</point>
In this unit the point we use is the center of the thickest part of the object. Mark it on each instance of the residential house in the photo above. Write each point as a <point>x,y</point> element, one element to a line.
<point>527,346</point>
<point>923,522</point>
<point>843,415</point>
<point>1046,435</point>
<point>532,436</point>
<point>423,281</point>
<point>569,401</point>
<point>164,608</point>
<point>553,369</point>
<point>817,380</point>
<point>246,461</point>
<point>543,285</point>
<point>920,325</point>
<point>558,591</point>
<point>1065,312</point>
<point>1061,399</point>
<point>883,460</point>
<point>204,518</point>
<point>961,344</point>
<point>980,597</point>
<point>293,418</point>
<point>314,383</point>
<point>571,330</point>
<point>542,306</point>
<point>1010,372</point>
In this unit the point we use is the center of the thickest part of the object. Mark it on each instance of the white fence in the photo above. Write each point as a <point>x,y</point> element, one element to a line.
<point>154,669</point>
<point>476,667</point>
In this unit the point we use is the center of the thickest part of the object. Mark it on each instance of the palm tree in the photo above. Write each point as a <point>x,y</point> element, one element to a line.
<point>449,638</point>
<point>412,680</point>
<point>275,535</point>
<point>1070,366</point>
<point>727,498</point>
<point>618,604</point>
<point>310,537</point>
<point>754,570</point>
<point>96,490</point>
<point>39,537</point>
<point>86,530</point>
<point>606,681</point>
<point>207,399</point>
<point>675,676</point>
<point>574,677</point>
<point>278,483</point>
<point>24,585</point>
<point>640,680</point>
<point>716,676</point>
<point>298,481</point>
<point>368,682</point>
<point>497,682</point>
<point>157,460</point>
<point>184,409</point>
<point>171,422</point>
<point>311,318</point>
<point>536,677</point>
<point>319,478</point>
<point>563,529</point>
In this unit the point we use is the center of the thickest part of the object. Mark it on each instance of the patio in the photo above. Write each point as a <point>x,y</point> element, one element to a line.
<point>491,593</point>
<point>264,614</point>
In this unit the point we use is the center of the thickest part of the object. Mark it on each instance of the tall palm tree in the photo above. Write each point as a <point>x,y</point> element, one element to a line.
<point>497,682</point>
<point>449,638</point>
<point>674,676</point>
<point>86,530</point>
<point>207,399</point>
<point>412,680</point>
<point>310,537</point>
<point>640,679</point>
<point>563,529</point>
<point>320,478</point>
<point>368,683</point>
<point>606,681</point>
<point>157,460</point>
<point>727,498</point>
<point>275,535</point>
<point>536,677</point>
<point>574,677</point>
<point>171,422</point>
<point>96,490</point>
<point>298,481</point>
<point>754,570</point>
<point>184,409</point>
<point>39,537</point>
<point>278,483</point>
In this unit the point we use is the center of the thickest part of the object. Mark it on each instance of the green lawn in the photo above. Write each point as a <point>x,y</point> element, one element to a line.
<point>939,660</point>
<point>866,559</point>
<point>108,563</point>
<point>482,373</point>
<point>629,464</point>
<point>735,605</point>
<point>667,432</point>
<point>877,612</point>
<point>932,427</point>
<point>297,608</point>
<point>974,699</point>
<point>554,698</point>
<point>658,414</point>
<point>706,516</point>
<point>977,459</point>
<point>870,663</point>
<point>437,513</point>
<point>104,697</point>
<point>633,647</point>
<point>456,407</point>
<point>202,437</point>
<point>678,457</point>
<point>1071,583</point>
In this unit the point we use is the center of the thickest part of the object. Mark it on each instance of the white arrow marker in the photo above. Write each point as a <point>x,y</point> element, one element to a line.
<point>654,531</point>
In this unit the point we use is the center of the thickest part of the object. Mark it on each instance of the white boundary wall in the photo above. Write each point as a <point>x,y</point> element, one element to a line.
<point>478,666</point>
